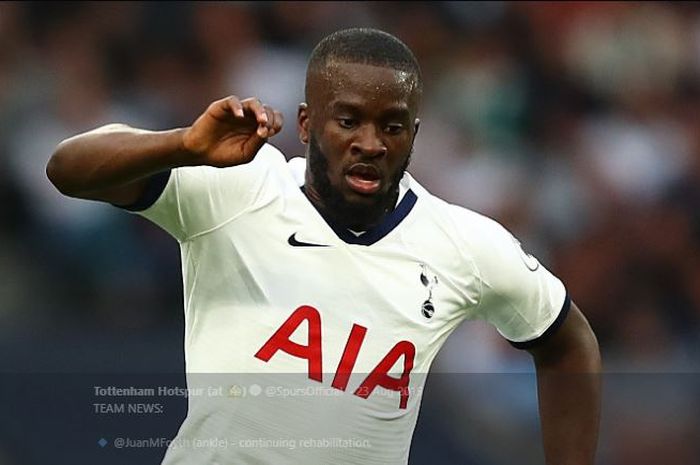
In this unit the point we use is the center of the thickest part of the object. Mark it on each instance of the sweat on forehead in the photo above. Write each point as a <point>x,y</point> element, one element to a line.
<point>363,46</point>
<point>360,79</point>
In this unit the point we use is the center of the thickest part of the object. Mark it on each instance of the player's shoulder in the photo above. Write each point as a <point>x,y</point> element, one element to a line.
<point>271,154</point>
<point>265,171</point>
<point>459,220</point>
<point>475,226</point>
<point>268,157</point>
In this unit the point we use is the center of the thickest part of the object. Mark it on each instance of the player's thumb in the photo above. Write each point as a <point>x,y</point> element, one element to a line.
<point>256,141</point>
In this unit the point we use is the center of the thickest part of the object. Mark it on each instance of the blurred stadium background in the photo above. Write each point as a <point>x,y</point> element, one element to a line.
<point>577,125</point>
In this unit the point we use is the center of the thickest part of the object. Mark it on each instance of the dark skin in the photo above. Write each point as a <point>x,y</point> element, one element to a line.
<point>569,391</point>
<point>362,120</point>
<point>359,116</point>
<point>113,163</point>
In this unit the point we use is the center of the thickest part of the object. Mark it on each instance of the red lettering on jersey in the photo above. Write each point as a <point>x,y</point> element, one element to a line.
<point>312,353</point>
<point>347,361</point>
<point>380,374</point>
<point>280,340</point>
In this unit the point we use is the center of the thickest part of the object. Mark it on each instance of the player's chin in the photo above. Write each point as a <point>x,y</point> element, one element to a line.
<point>364,205</point>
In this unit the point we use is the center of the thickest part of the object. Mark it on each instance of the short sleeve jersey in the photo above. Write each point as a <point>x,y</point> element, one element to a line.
<point>321,338</point>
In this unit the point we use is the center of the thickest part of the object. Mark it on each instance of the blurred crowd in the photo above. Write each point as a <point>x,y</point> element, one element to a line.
<point>576,125</point>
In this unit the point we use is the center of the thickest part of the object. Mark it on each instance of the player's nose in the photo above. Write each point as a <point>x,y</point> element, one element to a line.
<point>368,142</point>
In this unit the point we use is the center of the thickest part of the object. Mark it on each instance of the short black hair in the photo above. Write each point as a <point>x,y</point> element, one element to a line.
<point>366,46</point>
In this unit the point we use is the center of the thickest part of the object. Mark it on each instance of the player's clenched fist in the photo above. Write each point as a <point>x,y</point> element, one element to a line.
<point>231,131</point>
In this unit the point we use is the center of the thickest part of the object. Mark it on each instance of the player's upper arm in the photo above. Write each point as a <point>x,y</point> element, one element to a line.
<point>190,201</point>
<point>57,168</point>
<point>519,296</point>
<point>574,336</point>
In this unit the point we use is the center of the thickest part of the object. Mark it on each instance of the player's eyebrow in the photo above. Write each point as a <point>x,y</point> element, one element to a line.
<point>399,111</point>
<point>341,107</point>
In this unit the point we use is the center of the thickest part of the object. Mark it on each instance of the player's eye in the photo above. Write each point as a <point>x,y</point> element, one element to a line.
<point>393,128</point>
<point>346,123</point>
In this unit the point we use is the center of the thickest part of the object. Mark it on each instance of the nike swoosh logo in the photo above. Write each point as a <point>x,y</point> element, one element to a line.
<point>295,243</point>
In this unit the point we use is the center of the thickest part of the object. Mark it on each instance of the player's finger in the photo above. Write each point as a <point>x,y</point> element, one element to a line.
<point>278,121</point>
<point>265,129</point>
<point>235,106</point>
<point>222,108</point>
<point>253,105</point>
<point>274,119</point>
<point>255,142</point>
<point>270,116</point>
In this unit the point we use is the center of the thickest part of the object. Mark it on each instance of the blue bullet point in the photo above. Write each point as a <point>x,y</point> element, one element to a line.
<point>102,442</point>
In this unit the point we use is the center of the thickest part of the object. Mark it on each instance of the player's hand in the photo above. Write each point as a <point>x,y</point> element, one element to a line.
<point>231,131</point>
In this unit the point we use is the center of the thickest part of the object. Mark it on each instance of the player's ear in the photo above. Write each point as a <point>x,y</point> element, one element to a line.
<point>303,123</point>
<point>415,129</point>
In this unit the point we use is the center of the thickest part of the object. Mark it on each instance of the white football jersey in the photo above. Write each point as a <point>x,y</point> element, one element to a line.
<point>308,344</point>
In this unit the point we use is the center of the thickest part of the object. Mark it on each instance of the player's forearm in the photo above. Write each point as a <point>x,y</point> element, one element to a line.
<point>113,156</point>
<point>569,391</point>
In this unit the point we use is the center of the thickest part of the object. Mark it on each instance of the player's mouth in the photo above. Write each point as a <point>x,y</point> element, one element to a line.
<point>363,178</point>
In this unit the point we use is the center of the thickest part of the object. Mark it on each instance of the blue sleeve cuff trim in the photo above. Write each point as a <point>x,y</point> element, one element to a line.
<point>550,331</point>
<point>154,188</point>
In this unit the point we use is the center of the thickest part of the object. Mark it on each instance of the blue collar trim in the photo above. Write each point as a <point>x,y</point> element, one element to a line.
<point>372,235</point>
